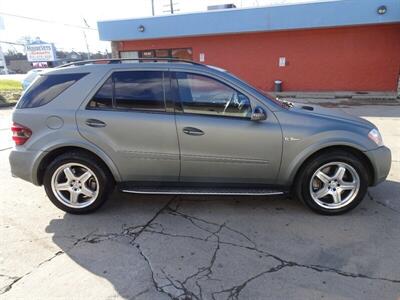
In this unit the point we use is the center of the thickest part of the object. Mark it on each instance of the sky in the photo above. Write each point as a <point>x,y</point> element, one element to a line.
<point>56,14</point>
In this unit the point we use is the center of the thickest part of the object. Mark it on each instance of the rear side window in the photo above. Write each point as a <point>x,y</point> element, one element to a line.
<point>46,88</point>
<point>131,90</point>
<point>139,90</point>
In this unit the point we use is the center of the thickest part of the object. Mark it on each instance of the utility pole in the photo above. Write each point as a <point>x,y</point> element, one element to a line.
<point>87,45</point>
<point>152,7</point>
<point>171,4</point>
<point>84,36</point>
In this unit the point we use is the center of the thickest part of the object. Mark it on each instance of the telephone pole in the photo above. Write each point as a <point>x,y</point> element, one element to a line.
<point>152,7</point>
<point>84,36</point>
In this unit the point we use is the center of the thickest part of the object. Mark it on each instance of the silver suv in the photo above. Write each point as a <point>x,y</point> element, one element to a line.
<point>184,128</point>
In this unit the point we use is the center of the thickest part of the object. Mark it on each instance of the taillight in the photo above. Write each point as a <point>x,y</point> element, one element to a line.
<point>20,133</point>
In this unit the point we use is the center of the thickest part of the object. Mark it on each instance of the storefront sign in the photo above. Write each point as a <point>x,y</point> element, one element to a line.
<point>41,52</point>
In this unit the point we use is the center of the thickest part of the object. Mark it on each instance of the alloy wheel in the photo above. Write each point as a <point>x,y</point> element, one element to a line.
<point>334,185</point>
<point>75,185</point>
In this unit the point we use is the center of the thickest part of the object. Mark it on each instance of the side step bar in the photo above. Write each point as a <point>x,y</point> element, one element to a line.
<point>202,191</point>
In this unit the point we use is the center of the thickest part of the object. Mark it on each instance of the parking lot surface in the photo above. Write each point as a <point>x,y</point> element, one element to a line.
<point>159,247</point>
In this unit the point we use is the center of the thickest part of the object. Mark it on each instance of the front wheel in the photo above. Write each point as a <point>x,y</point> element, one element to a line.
<point>77,182</point>
<point>333,182</point>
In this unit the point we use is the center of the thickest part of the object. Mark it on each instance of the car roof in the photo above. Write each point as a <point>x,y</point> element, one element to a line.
<point>103,66</point>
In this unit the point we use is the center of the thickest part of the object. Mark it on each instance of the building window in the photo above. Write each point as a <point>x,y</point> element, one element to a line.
<point>134,55</point>
<point>163,53</point>
<point>184,53</point>
<point>147,54</point>
<point>180,53</point>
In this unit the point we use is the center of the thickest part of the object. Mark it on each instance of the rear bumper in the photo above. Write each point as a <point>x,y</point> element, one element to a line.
<point>24,164</point>
<point>381,159</point>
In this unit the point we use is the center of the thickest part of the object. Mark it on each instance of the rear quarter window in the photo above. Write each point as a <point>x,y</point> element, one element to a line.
<point>46,88</point>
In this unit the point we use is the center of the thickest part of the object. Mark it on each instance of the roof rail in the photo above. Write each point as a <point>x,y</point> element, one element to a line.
<point>122,60</point>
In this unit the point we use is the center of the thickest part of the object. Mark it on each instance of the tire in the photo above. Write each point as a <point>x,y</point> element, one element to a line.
<point>331,195</point>
<point>83,188</point>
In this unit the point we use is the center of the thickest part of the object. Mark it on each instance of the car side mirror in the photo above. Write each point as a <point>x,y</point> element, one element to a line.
<point>258,114</point>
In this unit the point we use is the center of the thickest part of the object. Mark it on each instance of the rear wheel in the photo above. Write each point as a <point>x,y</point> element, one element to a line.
<point>332,183</point>
<point>77,182</point>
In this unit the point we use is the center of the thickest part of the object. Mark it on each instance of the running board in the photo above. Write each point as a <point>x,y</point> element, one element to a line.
<point>202,191</point>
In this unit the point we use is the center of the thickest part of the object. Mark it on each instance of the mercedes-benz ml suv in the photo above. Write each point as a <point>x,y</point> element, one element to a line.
<point>185,128</point>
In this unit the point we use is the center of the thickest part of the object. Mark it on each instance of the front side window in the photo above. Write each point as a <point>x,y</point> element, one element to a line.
<point>139,90</point>
<point>46,88</point>
<point>204,95</point>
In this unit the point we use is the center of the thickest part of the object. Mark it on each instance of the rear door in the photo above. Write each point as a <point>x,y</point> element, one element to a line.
<point>129,119</point>
<point>218,140</point>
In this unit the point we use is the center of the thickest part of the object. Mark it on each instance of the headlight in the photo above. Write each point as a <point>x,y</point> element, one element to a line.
<point>375,136</point>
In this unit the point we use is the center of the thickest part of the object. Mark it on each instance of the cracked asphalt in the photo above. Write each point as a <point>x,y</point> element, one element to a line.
<point>159,247</point>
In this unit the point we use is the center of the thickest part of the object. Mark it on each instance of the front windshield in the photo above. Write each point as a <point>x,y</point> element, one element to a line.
<point>271,97</point>
<point>267,95</point>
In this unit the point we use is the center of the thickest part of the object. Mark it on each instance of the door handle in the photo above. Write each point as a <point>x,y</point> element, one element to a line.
<point>95,123</point>
<point>192,131</point>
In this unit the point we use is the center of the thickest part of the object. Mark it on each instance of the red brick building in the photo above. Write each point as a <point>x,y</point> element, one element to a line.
<point>326,46</point>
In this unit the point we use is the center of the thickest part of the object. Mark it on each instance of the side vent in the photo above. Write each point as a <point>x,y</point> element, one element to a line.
<point>307,107</point>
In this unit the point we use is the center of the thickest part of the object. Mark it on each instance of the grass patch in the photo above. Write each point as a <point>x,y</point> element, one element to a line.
<point>9,84</point>
<point>10,91</point>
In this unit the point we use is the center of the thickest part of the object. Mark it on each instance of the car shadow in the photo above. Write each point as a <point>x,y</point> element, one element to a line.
<point>102,243</point>
<point>106,243</point>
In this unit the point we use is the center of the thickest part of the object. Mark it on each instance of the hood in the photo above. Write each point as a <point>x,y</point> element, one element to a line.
<point>331,113</point>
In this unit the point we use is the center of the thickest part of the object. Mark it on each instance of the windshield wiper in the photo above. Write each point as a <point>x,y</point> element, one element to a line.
<point>286,103</point>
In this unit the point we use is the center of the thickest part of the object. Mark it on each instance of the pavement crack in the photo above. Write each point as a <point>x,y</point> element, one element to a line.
<point>233,292</point>
<point>195,221</point>
<point>283,263</point>
<point>8,287</point>
<point>144,227</point>
<point>84,238</point>
<point>202,272</point>
<point>158,287</point>
<point>382,203</point>
<point>131,231</point>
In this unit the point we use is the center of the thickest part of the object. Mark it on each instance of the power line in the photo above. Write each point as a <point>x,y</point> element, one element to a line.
<point>47,21</point>
<point>11,43</point>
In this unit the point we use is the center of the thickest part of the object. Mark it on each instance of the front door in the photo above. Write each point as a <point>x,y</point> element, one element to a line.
<point>127,119</point>
<point>218,140</point>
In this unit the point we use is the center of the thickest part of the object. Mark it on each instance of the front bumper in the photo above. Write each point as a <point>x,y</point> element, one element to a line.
<point>24,164</point>
<point>381,159</point>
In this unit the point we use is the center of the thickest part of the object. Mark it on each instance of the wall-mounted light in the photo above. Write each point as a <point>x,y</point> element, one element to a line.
<point>381,10</point>
<point>141,28</point>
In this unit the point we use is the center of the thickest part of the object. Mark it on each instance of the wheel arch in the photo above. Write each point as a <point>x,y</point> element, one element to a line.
<point>52,153</point>
<point>351,149</point>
